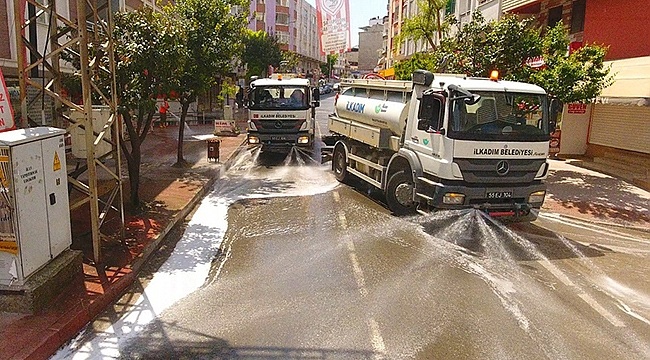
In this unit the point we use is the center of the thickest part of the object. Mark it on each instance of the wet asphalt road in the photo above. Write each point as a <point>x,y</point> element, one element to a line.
<point>335,276</point>
<point>309,269</point>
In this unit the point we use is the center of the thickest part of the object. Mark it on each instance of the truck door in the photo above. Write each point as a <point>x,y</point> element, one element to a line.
<point>424,134</point>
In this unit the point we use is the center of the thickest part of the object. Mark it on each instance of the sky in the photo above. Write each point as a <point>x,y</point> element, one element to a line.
<point>361,11</point>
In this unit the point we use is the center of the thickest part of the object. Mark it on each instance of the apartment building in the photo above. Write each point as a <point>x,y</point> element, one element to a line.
<point>400,10</point>
<point>294,23</point>
<point>371,45</point>
<point>618,122</point>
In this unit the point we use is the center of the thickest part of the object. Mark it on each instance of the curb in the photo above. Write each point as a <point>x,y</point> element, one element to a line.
<point>68,326</point>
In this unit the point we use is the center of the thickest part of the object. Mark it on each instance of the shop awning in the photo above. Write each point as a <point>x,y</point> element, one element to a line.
<point>631,82</point>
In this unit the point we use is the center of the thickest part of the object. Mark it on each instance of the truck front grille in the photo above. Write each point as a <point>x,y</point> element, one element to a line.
<point>484,171</point>
<point>277,125</point>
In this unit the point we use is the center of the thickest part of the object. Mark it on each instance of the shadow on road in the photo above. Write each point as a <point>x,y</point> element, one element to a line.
<point>158,345</point>
<point>597,196</point>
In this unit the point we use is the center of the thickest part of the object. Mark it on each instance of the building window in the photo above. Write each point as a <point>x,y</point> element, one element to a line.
<point>554,16</point>
<point>283,37</point>
<point>259,16</point>
<point>451,7</point>
<point>578,16</point>
<point>282,2</point>
<point>281,19</point>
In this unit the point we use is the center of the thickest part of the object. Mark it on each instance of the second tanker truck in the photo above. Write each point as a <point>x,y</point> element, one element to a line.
<point>445,142</point>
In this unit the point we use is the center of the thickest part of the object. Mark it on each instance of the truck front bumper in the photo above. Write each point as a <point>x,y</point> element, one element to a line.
<point>280,141</point>
<point>513,202</point>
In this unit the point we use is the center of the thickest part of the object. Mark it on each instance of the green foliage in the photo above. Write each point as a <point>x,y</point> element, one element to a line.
<point>480,47</point>
<point>260,51</point>
<point>290,61</point>
<point>576,77</point>
<point>331,60</point>
<point>213,35</point>
<point>148,47</point>
<point>425,24</point>
<point>148,50</point>
<point>426,61</point>
<point>228,90</point>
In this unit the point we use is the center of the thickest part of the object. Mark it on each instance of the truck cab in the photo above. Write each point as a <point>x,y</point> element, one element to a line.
<point>281,113</point>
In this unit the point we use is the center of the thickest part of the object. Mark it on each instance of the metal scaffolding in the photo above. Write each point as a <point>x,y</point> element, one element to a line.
<point>86,38</point>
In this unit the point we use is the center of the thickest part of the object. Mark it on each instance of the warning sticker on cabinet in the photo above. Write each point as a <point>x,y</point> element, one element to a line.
<point>57,162</point>
<point>9,247</point>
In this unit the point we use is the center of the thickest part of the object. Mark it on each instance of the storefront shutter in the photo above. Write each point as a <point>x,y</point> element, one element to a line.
<point>621,127</point>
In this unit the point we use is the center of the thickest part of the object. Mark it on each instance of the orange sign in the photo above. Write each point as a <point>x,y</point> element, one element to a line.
<point>9,247</point>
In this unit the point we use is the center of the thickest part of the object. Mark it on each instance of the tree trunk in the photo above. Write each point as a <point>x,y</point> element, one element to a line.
<point>133,164</point>
<point>185,105</point>
<point>134,155</point>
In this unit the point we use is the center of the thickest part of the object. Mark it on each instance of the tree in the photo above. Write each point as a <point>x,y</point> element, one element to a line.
<point>290,61</point>
<point>327,67</point>
<point>404,69</point>
<point>480,47</point>
<point>260,51</point>
<point>507,45</point>
<point>425,24</point>
<point>147,49</point>
<point>577,76</point>
<point>213,35</point>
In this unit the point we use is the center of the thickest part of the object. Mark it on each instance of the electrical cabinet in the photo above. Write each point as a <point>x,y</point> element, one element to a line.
<point>34,204</point>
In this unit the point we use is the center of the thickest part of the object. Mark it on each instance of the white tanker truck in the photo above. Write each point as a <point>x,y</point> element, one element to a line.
<point>281,112</point>
<point>444,142</point>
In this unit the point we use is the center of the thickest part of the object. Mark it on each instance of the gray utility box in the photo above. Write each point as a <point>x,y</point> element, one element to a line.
<point>34,205</point>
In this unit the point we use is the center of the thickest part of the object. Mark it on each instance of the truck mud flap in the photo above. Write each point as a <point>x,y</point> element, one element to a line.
<point>326,154</point>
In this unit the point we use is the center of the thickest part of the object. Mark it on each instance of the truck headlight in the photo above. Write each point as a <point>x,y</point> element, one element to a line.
<point>253,140</point>
<point>453,199</point>
<point>537,197</point>
<point>303,140</point>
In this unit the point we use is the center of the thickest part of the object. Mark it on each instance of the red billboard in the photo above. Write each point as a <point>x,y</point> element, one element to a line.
<point>333,18</point>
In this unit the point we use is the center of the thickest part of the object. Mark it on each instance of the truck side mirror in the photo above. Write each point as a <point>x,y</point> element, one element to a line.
<point>430,112</point>
<point>316,97</point>
<point>555,108</point>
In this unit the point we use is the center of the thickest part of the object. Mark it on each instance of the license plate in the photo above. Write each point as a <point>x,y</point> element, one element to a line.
<point>278,138</point>
<point>499,194</point>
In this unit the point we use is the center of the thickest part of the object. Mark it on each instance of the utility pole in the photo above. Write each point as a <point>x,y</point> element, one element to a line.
<point>73,37</point>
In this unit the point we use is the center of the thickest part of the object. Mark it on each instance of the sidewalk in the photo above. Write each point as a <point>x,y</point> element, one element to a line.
<point>575,191</point>
<point>172,193</point>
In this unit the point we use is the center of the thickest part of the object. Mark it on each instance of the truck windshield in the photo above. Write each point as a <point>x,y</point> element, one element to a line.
<point>282,97</point>
<point>500,116</point>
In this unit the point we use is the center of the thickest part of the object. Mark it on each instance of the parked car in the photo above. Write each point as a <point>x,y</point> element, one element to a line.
<point>325,89</point>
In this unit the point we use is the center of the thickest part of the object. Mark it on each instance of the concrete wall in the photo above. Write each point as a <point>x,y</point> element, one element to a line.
<point>371,42</point>
<point>621,24</point>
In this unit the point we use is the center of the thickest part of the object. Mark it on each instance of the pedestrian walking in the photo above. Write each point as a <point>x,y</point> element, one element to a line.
<point>163,113</point>
<point>239,98</point>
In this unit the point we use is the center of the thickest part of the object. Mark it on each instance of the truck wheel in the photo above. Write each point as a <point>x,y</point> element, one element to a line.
<point>399,194</point>
<point>340,164</point>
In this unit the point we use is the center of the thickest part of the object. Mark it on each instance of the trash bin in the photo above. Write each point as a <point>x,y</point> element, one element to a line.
<point>213,149</point>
